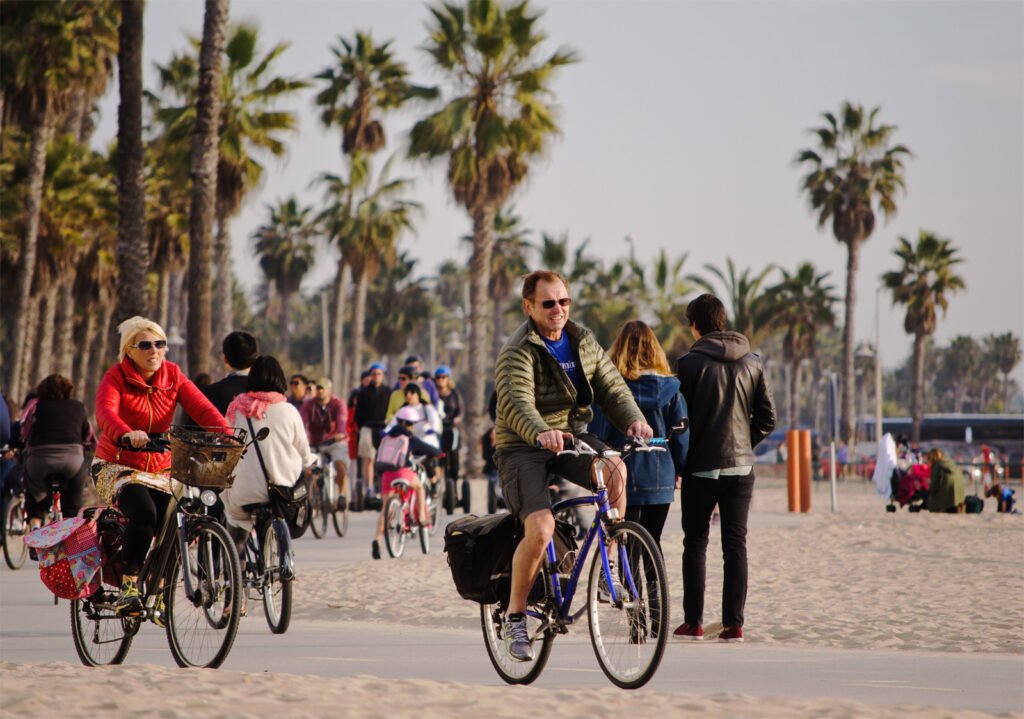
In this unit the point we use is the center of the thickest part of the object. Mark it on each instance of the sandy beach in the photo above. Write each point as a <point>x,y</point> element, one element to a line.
<point>861,579</point>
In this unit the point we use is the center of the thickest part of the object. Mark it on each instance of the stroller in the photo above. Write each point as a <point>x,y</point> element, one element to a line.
<point>910,488</point>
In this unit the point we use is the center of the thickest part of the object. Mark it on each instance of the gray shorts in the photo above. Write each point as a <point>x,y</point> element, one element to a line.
<point>525,474</point>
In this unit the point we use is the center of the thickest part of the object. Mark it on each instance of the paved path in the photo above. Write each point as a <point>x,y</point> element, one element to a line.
<point>33,630</point>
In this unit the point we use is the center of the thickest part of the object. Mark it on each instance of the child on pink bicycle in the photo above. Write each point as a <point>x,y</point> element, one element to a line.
<point>396,449</point>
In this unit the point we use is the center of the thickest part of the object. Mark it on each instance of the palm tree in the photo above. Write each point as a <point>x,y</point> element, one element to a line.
<point>508,264</point>
<point>745,295</point>
<point>1005,353</point>
<point>377,222</point>
<point>132,247</point>
<point>398,305</point>
<point>364,81</point>
<point>496,122</point>
<point>250,125</point>
<point>48,50</point>
<point>961,362</point>
<point>203,164</point>
<point>853,173</point>
<point>285,249</point>
<point>922,283</point>
<point>801,304</point>
<point>665,296</point>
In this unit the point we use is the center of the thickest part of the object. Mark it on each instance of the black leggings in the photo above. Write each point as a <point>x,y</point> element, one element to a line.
<point>144,508</point>
<point>651,517</point>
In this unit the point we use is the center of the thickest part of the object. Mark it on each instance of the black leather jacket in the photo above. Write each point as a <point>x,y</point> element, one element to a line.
<point>728,400</point>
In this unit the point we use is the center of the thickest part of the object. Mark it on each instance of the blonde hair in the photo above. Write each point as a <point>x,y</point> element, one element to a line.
<point>133,326</point>
<point>636,350</point>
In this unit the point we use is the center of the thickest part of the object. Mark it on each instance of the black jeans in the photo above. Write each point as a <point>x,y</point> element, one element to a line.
<point>451,455</point>
<point>700,495</point>
<point>651,517</point>
<point>144,508</point>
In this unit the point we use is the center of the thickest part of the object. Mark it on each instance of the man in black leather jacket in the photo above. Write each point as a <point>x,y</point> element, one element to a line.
<point>731,410</point>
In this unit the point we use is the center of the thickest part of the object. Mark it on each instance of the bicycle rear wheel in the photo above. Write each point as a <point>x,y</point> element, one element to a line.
<point>511,670</point>
<point>277,585</point>
<point>394,527</point>
<point>15,549</point>
<point>202,628</point>
<point>629,635</point>
<point>424,533</point>
<point>318,510</point>
<point>100,637</point>
<point>340,518</point>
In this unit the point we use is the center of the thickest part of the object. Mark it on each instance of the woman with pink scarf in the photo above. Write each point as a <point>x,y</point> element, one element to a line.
<point>285,450</point>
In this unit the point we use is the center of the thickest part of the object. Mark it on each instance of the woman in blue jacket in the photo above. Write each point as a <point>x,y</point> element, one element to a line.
<point>653,476</point>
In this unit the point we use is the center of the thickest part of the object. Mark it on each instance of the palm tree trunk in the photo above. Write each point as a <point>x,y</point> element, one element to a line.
<point>163,298</point>
<point>340,370</point>
<point>132,247</point>
<point>41,134</point>
<point>99,360</point>
<point>917,392</point>
<point>359,316</point>
<point>480,362</point>
<point>26,378</point>
<point>498,325</point>
<point>64,332</point>
<point>87,333</point>
<point>204,184</point>
<point>47,321</point>
<point>283,319</point>
<point>846,418</point>
<point>222,320</point>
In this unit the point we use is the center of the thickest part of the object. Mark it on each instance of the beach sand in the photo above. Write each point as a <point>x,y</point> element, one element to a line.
<point>858,579</point>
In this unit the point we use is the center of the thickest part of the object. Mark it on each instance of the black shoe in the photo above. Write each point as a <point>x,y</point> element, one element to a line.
<point>375,549</point>
<point>342,503</point>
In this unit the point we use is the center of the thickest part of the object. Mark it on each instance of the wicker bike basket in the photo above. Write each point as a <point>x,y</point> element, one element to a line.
<point>206,457</point>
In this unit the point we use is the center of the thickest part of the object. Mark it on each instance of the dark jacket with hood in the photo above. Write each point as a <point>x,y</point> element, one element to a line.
<point>652,475</point>
<point>728,399</point>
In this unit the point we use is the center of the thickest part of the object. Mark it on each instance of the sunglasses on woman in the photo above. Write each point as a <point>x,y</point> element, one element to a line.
<point>146,345</point>
<point>550,304</point>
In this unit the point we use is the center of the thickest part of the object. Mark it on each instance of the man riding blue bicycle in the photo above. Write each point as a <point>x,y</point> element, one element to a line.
<point>548,374</point>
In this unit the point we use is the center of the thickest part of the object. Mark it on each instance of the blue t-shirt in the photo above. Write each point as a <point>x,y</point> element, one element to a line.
<point>562,351</point>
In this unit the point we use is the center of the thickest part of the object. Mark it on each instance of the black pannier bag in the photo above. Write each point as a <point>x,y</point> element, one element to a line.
<point>480,553</point>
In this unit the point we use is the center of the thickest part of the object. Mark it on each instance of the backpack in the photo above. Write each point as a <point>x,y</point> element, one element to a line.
<point>480,553</point>
<point>393,453</point>
<point>70,559</point>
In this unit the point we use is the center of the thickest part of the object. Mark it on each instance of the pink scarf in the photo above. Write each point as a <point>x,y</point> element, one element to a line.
<point>253,404</point>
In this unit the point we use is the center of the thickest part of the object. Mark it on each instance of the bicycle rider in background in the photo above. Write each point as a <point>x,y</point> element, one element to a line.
<point>324,416</point>
<point>405,423</point>
<point>55,442</point>
<point>548,374</point>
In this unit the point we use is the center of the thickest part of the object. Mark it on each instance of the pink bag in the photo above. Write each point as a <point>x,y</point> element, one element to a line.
<point>69,557</point>
<point>393,452</point>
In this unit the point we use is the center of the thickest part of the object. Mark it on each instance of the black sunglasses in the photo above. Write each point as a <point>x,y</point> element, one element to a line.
<point>295,383</point>
<point>550,304</point>
<point>146,345</point>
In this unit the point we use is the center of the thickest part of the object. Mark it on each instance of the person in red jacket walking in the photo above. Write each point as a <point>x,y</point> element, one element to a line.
<point>137,398</point>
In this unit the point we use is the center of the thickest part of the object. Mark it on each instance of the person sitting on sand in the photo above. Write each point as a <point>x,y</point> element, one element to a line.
<point>946,485</point>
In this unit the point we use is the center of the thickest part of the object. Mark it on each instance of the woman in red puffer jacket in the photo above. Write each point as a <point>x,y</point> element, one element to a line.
<point>137,398</point>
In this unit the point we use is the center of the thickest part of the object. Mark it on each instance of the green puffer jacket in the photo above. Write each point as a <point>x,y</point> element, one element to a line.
<point>535,394</point>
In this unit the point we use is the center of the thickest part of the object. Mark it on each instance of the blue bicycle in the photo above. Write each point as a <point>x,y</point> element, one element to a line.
<point>627,602</point>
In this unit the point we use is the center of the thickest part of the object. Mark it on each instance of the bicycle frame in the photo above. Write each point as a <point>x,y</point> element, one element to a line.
<point>563,600</point>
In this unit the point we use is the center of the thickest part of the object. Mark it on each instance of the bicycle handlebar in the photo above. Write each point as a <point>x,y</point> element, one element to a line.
<point>158,443</point>
<point>576,446</point>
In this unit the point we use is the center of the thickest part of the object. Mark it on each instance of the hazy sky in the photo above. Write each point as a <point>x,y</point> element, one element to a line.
<point>681,123</point>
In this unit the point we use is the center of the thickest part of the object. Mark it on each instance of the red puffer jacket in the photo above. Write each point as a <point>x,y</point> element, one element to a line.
<point>126,402</point>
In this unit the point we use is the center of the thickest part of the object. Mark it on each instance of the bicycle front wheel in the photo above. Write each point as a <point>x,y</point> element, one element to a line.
<point>394,527</point>
<point>201,628</point>
<point>100,637</point>
<point>15,549</point>
<point>340,517</point>
<point>629,634</point>
<point>512,670</point>
<point>318,510</point>
<point>277,583</point>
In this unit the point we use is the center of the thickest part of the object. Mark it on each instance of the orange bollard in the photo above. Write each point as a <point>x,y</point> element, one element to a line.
<point>793,469</point>
<point>805,470</point>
